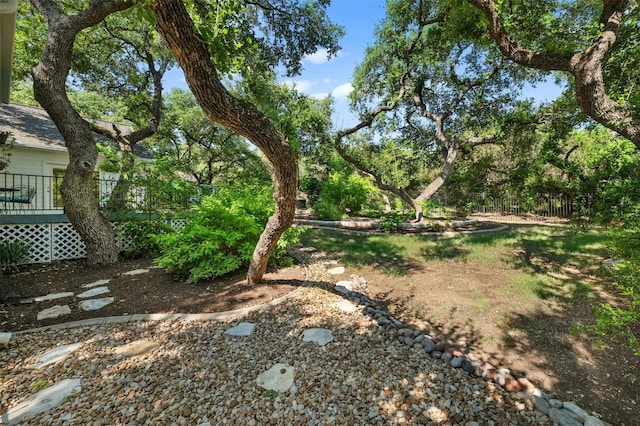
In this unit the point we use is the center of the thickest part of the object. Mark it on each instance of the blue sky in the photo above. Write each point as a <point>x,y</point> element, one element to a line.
<point>321,77</point>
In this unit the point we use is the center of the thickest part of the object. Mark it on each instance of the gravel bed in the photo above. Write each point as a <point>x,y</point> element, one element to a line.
<point>198,375</point>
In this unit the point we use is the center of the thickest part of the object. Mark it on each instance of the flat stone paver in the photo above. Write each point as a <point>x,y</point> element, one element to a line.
<point>242,330</point>
<point>136,272</point>
<point>41,402</point>
<point>321,336</point>
<point>95,284</point>
<point>52,296</point>
<point>54,355</point>
<point>95,304</point>
<point>96,291</point>
<point>137,348</point>
<point>54,312</point>
<point>279,378</point>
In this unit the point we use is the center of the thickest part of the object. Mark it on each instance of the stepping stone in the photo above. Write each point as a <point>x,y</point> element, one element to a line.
<point>96,291</point>
<point>337,270</point>
<point>52,296</point>
<point>136,272</point>
<point>95,284</point>
<point>243,329</point>
<point>95,304</point>
<point>41,402</point>
<point>308,249</point>
<point>54,355</point>
<point>4,338</point>
<point>54,312</point>
<point>279,378</point>
<point>137,348</point>
<point>321,336</point>
<point>345,306</point>
<point>329,262</point>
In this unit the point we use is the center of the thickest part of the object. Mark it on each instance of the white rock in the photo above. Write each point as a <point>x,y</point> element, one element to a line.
<point>136,272</point>
<point>321,336</point>
<point>41,402</point>
<point>95,284</point>
<point>95,304</point>
<point>346,306</point>
<point>279,378</point>
<point>329,262</point>
<point>137,348</point>
<point>52,296</point>
<point>96,291</point>
<point>243,329</point>
<point>4,338</point>
<point>54,355</point>
<point>54,312</point>
<point>337,270</point>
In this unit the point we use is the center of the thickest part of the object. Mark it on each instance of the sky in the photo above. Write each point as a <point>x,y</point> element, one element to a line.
<point>321,77</point>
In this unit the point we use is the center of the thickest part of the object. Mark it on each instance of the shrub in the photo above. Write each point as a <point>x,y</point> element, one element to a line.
<point>221,236</point>
<point>391,221</point>
<point>343,193</point>
<point>13,254</point>
<point>142,237</point>
<point>623,323</point>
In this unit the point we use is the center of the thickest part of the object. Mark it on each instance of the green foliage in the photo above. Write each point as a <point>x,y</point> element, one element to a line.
<point>220,237</point>
<point>391,221</point>
<point>623,322</point>
<point>13,254</point>
<point>343,193</point>
<point>142,237</point>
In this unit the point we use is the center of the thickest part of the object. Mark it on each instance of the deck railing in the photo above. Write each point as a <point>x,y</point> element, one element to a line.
<point>35,194</point>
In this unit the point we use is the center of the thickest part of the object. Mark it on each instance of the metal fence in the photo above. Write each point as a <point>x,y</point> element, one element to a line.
<point>35,194</point>
<point>538,207</point>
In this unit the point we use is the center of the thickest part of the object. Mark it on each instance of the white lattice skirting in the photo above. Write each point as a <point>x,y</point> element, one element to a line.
<point>54,241</point>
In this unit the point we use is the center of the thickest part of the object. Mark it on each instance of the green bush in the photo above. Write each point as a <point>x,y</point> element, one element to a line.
<point>142,237</point>
<point>221,236</point>
<point>391,221</point>
<point>13,254</point>
<point>623,323</point>
<point>343,194</point>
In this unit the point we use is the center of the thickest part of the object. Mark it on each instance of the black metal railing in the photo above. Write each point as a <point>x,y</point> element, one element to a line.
<point>36,194</point>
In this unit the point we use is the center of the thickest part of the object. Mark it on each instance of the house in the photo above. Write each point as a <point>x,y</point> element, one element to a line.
<point>36,159</point>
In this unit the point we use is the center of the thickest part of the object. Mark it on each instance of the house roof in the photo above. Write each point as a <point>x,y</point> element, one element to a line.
<point>31,127</point>
<point>7,33</point>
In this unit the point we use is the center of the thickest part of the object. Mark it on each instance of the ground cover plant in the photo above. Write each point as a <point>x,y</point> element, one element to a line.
<point>521,298</point>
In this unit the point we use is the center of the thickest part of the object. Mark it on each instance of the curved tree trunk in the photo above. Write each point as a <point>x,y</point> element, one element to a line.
<point>445,171</point>
<point>49,77</point>
<point>176,27</point>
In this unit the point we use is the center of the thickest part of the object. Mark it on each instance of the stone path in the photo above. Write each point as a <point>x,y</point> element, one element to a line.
<point>278,378</point>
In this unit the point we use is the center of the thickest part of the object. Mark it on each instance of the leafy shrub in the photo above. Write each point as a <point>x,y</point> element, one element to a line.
<point>221,236</point>
<point>13,254</point>
<point>391,221</point>
<point>623,323</point>
<point>142,237</point>
<point>343,193</point>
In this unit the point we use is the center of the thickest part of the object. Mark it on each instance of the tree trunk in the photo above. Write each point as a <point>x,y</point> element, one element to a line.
<point>176,27</point>
<point>445,171</point>
<point>49,77</point>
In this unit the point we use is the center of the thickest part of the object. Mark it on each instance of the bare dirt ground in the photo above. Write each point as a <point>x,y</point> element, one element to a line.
<point>450,300</point>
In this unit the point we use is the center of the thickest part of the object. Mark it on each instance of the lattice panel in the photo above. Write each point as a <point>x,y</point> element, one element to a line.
<point>67,243</point>
<point>178,224</point>
<point>121,242</point>
<point>38,236</point>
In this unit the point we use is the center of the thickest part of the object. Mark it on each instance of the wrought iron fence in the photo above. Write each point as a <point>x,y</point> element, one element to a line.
<point>36,194</point>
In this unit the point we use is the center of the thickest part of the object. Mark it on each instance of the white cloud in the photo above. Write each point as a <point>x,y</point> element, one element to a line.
<point>320,95</point>
<point>342,91</point>
<point>300,85</point>
<point>319,57</point>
